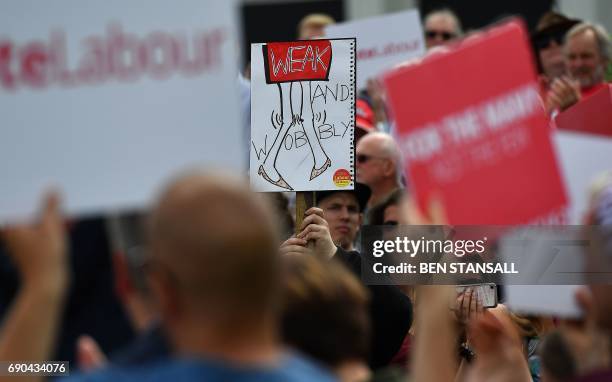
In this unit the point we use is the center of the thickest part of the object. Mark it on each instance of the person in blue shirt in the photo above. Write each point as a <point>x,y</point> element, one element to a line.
<point>215,275</point>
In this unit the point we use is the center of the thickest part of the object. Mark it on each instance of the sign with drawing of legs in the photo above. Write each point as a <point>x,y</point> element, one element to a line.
<point>302,115</point>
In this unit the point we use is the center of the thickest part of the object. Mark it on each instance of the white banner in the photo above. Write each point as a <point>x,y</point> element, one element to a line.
<point>382,41</point>
<point>582,157</point>
<point>106,99</point>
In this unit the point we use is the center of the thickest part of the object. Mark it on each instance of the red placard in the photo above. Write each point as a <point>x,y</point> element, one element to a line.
<point>474,133</point>
<point>297,60</point>
<point>593,115</point>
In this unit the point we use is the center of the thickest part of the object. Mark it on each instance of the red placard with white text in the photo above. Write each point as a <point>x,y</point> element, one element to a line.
<point>474,133</point>
<point>592,115</point>
<point>297,61</point>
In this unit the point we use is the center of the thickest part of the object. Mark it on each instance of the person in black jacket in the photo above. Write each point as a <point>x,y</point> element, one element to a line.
<point>390,309</point>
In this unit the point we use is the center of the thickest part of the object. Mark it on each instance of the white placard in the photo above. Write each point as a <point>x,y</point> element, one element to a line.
<point>552,300</point>
<point>582,158</point>
<point>302,131</point>
<point>382,41</point>
<point>106,99</point>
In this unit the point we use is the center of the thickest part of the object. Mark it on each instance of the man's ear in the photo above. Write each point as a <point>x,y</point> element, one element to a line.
<point>123,282</point>
<point>360,221</point>
<point>389,167</point>
<point>164,292</point>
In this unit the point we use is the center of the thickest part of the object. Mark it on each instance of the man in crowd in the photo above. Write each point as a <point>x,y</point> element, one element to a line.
<point>313,26</point>
<point>441,26</point>
<point>587,54</point>
<point>390,310</point>
<point>325,315</point>
<point>378,165</point>
<point>344,213</point>
<point>215,278</point>
<point>587,51</point>
<point>547,41</point>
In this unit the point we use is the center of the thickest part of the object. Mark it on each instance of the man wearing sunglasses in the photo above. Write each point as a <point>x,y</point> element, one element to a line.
<point>441,26</point>
<point>547,42</point>
<point>378,165</point>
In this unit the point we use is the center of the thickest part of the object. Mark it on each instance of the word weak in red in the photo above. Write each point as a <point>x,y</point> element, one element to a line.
<point>297,61</point>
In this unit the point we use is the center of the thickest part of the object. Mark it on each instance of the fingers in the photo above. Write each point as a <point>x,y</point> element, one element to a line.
<point>563,92</point>
<point>469,305</point>
<point>466,303</point>
<point>316,211</point>
<point>313,220</point>
<point>314,215</point>
<point>413,213</point>
<point>585,300</point>
<point>436,211</point>
<point>294,241</point>
<point>315,235</point>
<point>485,333</point>
<point>311,228</point>
<point>293,248</point>
<point>89,354</point>
<point>51,205</point>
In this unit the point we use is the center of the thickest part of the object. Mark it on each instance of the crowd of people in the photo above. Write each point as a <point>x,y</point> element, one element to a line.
<point>222,284</point>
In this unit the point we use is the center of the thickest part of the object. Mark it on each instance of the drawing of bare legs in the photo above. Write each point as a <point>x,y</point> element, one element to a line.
<point>291,111</point>
<point>287,119</point>
<point>321,160</point>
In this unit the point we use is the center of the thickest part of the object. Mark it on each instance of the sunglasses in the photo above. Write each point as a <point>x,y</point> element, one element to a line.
<point>363,158</point>
<point>444,35</point>
<point>544,42</point>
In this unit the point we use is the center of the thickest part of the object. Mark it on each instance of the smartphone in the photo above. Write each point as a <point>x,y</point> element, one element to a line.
<point>487,291</point>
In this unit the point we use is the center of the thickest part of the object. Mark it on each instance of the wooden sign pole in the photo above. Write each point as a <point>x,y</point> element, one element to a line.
<point>303,201</point>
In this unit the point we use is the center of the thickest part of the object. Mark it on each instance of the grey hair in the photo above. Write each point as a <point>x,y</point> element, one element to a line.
<point>391,150</point>
<point>449,13</point>
<point>601,35</point>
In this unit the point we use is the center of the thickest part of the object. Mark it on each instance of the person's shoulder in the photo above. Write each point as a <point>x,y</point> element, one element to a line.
<point>297,369</point>
<point>164,370</point>
<point>352,259</point>
<point>292,369</point>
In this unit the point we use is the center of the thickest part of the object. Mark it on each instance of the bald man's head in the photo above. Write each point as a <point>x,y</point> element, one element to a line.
<point>378,159</point>
<point>215,244</point>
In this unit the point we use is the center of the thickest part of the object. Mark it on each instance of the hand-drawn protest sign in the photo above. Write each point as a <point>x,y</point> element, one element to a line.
<point>474,133</point>
<point>383,41</point>
<point>302,115</point>
<point>106,100</point>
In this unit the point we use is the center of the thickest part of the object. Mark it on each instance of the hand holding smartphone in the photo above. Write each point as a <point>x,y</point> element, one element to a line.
<point>486,292</point>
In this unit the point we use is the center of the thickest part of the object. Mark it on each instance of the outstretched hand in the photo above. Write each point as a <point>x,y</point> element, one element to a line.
<point>498,348</point>
<point>39,250</point>
<point>564,92</point>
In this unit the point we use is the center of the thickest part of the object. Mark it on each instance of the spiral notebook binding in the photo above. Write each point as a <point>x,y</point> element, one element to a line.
<point>353,106</point>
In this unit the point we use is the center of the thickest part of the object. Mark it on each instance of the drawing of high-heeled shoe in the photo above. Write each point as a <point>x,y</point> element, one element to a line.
<point>280,182</point>
<point>318,171</point>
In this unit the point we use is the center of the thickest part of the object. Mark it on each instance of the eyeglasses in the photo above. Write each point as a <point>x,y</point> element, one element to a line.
<point>363,158</point>
<point>544,41</point>
<point>444,35</point>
